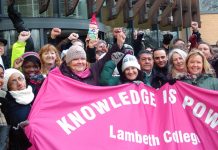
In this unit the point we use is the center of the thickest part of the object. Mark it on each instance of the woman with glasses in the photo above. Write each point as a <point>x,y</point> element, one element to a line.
<point>16,106</point>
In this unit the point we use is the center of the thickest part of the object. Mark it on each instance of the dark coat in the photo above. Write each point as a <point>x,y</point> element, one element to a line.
<point>214,64</point>
<point>159,77</point>
<point>15,113</point>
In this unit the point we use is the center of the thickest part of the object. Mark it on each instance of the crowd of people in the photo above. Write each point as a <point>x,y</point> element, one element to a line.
<point>95,63</point>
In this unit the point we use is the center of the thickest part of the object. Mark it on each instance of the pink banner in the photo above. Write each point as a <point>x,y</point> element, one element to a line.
<point>69,115</point>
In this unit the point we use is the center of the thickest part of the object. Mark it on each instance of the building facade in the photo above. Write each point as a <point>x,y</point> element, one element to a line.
<point>41,24</point>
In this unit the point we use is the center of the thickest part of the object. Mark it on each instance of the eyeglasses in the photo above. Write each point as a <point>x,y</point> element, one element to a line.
<point>15,81</point>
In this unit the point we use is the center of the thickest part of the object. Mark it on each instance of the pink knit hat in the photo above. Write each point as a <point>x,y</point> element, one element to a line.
<point>30,54</point>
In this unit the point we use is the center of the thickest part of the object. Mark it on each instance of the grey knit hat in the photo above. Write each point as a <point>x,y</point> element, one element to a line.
<point>75,52</point>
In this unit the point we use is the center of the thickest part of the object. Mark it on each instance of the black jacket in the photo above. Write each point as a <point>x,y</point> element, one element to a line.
<point>159,77</point>
<point>15,113</point>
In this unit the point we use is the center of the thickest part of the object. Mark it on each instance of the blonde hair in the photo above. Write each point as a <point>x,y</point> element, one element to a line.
<point>46,48</point>
<point>207,69</point>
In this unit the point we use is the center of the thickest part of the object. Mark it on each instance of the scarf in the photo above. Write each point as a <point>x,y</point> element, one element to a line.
<point>84,74</point>
<point>23,97</point>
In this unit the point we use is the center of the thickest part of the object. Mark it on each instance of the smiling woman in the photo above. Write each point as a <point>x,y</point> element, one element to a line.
<point>177,63</point>
<point>76,66</point>
<point>199,71</point>
<point>49,57</point>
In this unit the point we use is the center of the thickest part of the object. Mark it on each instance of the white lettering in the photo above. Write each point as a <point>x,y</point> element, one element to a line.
<point>123,97</point>
<point>211,119</point>
<point>188,101</point>
<point>88,113</point>
<point>101,106</point>
<point>76,119</point>
<point>199,107</point>
<point>65,125</point>
<point>134,96</point>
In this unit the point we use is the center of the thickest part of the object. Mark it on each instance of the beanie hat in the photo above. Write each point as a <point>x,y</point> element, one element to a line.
<point>27,54</point>
<point>128,49</point>
<point>75,52</point>
<point>7,75</point>
<point>130,61</point>
<point>31,57</point>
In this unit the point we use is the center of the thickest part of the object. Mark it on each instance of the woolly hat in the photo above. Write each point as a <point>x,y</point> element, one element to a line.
<point>93,19</point>
<point>130,61</point>
<point>128,49</point>
<point>31,57</point>
<point>7,75</point>
<point>27,54</point>
<point>75,52</point>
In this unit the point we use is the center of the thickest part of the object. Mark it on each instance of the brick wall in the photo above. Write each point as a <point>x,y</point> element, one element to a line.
<point>209,28</point>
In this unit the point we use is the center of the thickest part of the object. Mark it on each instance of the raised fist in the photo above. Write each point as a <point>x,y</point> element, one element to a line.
<point>194,26</point>
<point>23,36</point>
<point>55,32</point>
<point>73,36</point>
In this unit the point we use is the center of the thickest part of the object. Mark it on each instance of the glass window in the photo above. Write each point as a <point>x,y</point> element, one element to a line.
<point>36,39</point>
<point>30,8</point>
<point>80,12</point>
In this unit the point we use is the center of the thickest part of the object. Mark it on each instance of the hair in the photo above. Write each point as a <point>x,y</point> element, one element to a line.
<point>101,41</point>
<point>78,40</point>
<point>123,78</point>
<point>144,52</point>
<point>210,47</point>
<point>207,69</point>
<point>46,48</point>
<point>182,53</point>
<point>159,49</point>
<point>178,39</point>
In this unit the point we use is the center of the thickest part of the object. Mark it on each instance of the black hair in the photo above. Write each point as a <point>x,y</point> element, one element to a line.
<point>178,39</point>
<point>158,49</point>
<point>123,78</point>
<point>144,52</point>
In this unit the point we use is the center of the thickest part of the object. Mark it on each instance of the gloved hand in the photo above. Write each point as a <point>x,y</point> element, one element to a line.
<point>140,35</point>
<point>137,82</point>
<point>21,125</point>
<point>116,57</point>
<point>167,38</point>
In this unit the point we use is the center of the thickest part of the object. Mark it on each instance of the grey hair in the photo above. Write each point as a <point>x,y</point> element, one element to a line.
<point>182,53</point>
